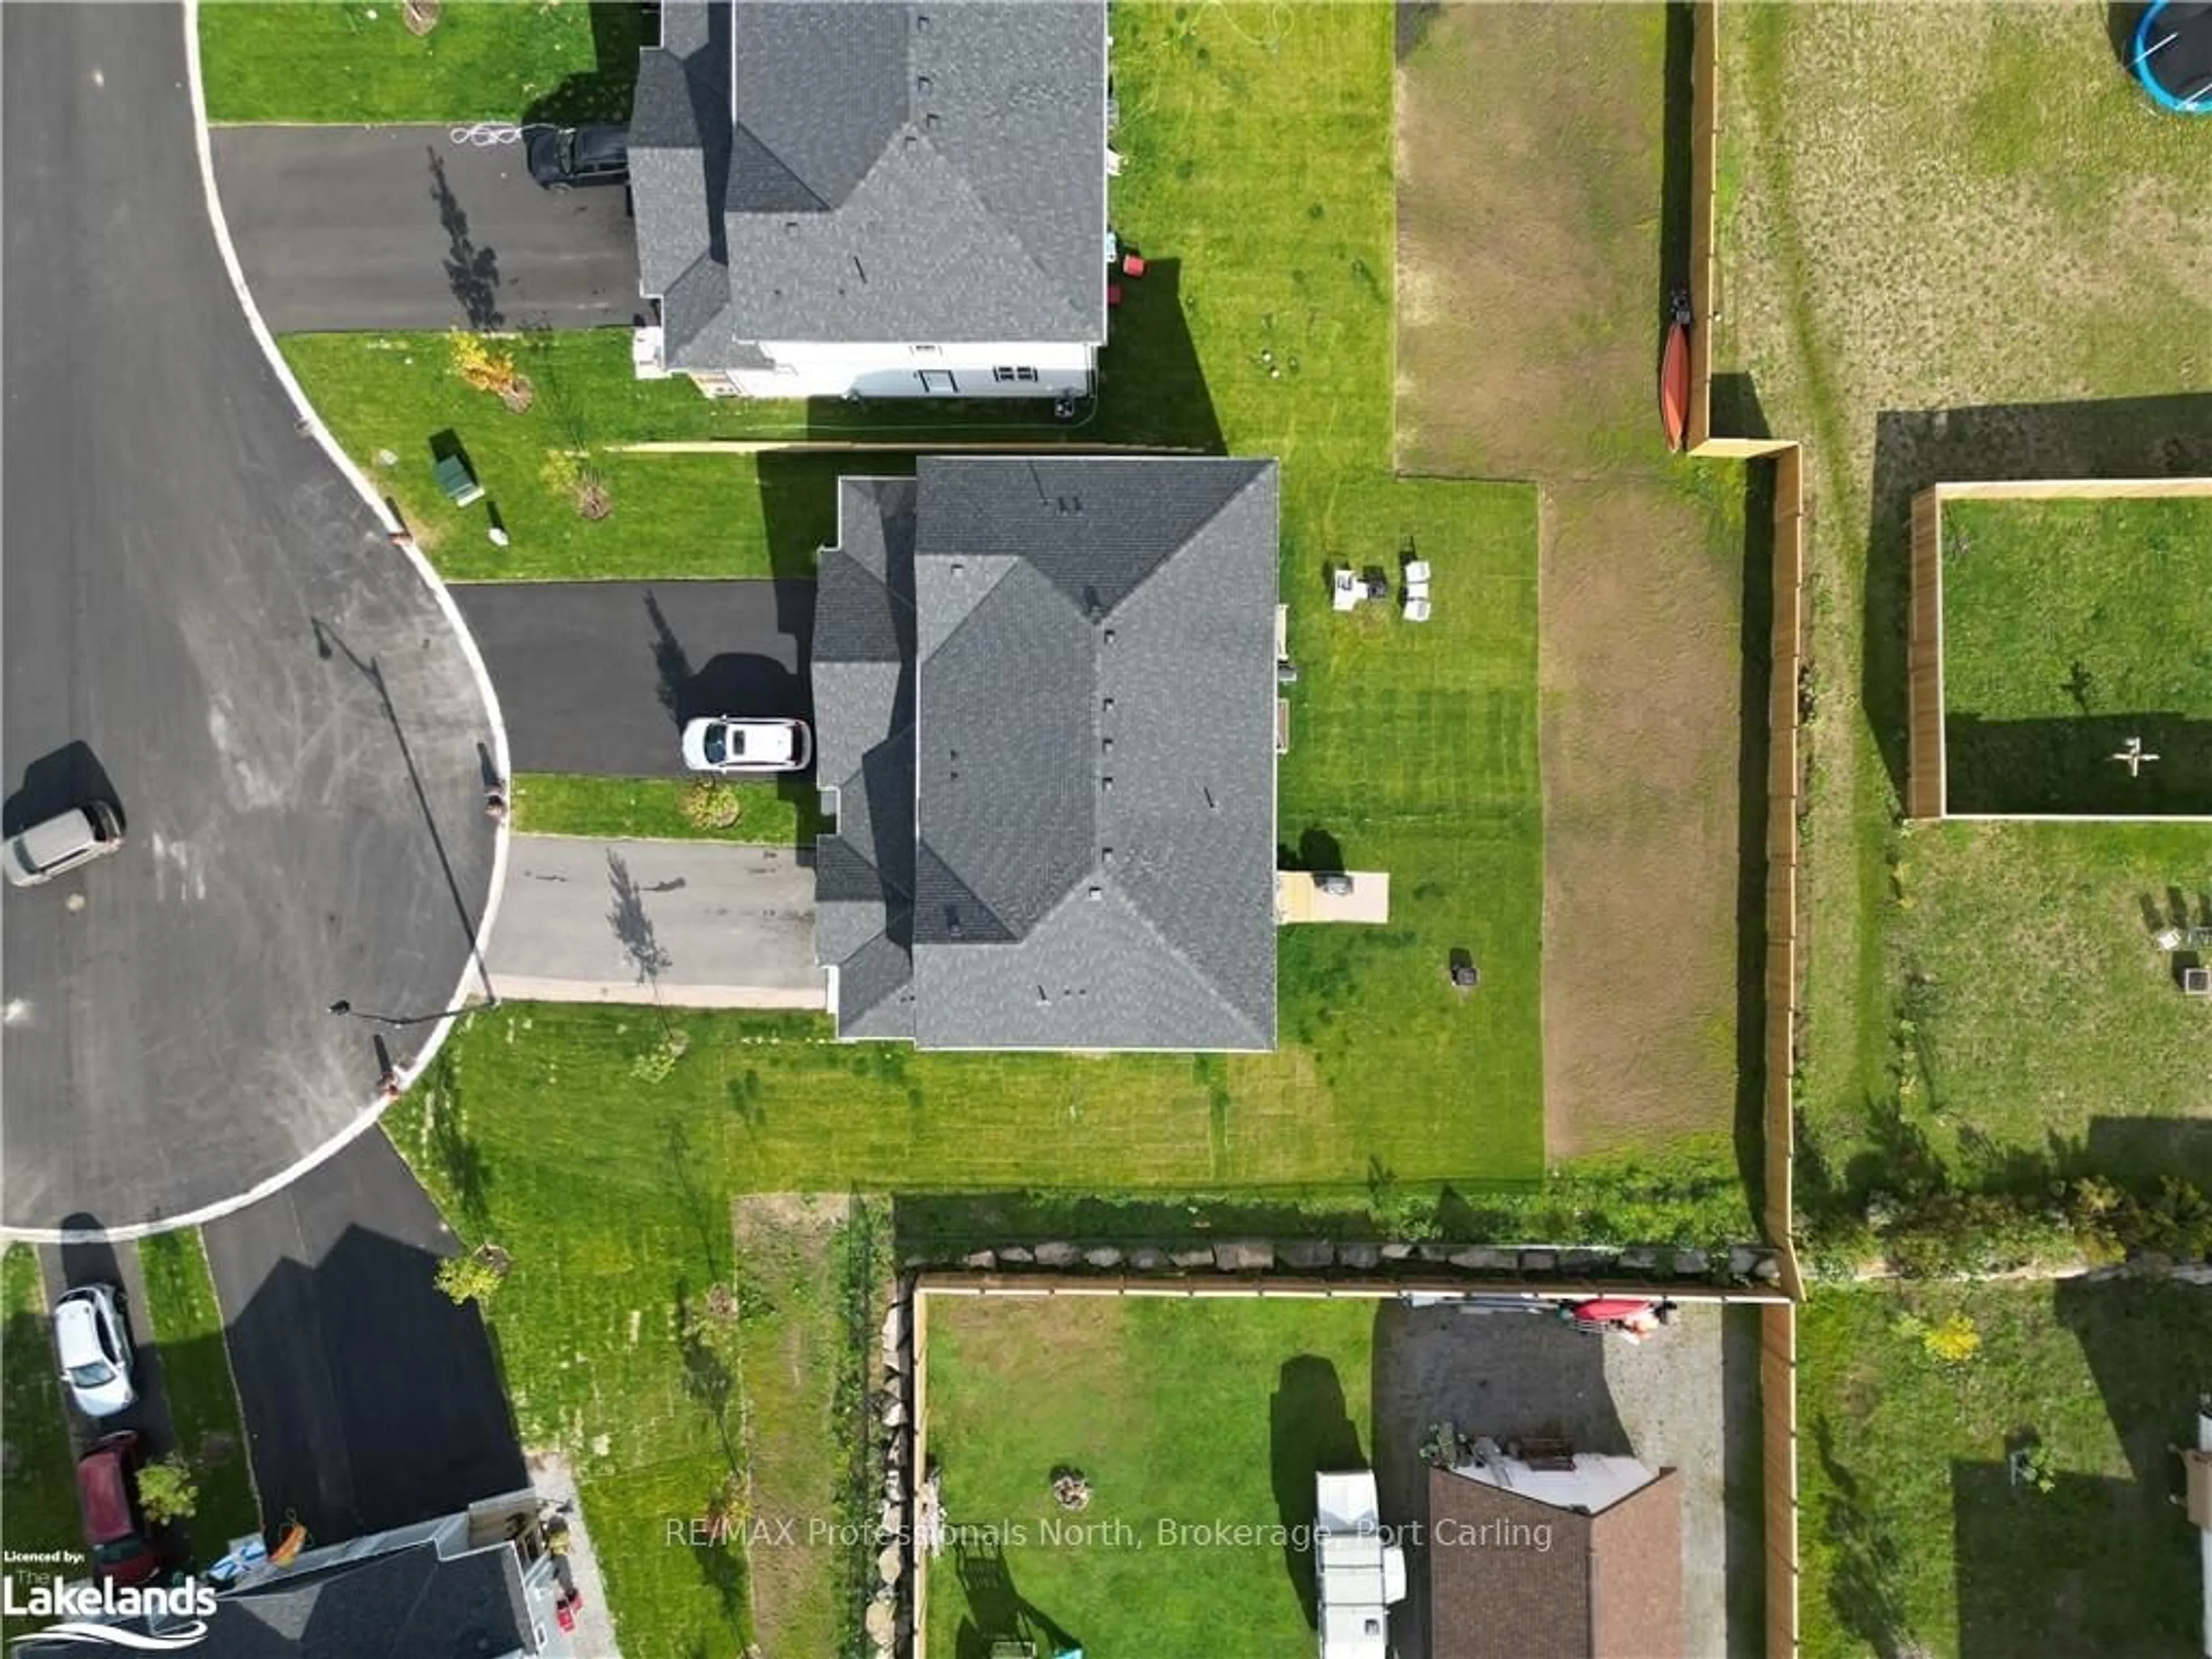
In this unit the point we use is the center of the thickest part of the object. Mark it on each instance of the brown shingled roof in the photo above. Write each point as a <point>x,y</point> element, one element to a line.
<point>1609,1586</point>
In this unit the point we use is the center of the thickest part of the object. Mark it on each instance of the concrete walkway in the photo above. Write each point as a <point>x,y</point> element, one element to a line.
<point>691,924</point>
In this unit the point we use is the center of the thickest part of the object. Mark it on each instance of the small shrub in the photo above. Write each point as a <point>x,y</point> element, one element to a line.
<point>569,472</point>
<point>488,369</point>
<point>2031,1466</point>
<point>656,1063</point>
<point>476,1277</point>
<point>169,1490</point>
<point>711,804</point>
<point>1955,1342</point>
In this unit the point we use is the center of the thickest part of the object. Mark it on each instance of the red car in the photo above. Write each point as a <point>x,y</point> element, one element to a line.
<point>107,1493</point>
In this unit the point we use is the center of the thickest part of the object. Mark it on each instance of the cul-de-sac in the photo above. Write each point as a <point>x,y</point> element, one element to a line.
<point>1106,830</point>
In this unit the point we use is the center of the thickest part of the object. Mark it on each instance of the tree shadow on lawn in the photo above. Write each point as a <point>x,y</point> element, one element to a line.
<point>1310,1432</point>
<point>2166,437</point>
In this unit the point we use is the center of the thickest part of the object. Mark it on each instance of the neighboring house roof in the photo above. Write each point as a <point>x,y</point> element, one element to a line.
<point>1609,1586</point>
<point>1044,691</point>
<point>859,171</point>
<point>409,1604</point>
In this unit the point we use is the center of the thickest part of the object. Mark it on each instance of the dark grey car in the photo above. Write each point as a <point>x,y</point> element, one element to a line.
<point>563,157</point>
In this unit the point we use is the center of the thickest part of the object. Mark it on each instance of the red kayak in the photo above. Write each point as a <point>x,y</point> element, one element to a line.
<point>1674,374</point>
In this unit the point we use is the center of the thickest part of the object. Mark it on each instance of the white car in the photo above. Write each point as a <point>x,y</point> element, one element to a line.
<point>95,1350</point>
<point>719,744</point>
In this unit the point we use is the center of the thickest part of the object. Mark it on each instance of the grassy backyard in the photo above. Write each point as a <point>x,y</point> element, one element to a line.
<point>1223,1413</point>
<point>354,60</point>
<point>1884,201</point>
<point>1914,1538</point>
<point>1649,829</point>
<point>2070,628</point>
<point>188,1325</point>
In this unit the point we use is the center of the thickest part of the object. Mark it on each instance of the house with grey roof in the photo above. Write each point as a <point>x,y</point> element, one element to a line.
<point>1044,696</point>
<point>480,1583</point>
<point>855,198</point>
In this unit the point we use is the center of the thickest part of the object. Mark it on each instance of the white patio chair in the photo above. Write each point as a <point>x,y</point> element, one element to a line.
<point>1417,573</point>
<point>1345,592</point>
<point>1416,609</point>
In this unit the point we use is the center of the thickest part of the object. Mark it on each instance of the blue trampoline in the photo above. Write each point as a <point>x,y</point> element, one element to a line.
<point>2172,55</point>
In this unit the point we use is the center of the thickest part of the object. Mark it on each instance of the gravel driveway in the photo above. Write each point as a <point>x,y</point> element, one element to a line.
<point>1687,1397</point>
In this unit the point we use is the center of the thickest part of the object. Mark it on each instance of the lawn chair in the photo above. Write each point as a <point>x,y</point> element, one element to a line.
<point>1345,592</point>
<point>1417,590</point>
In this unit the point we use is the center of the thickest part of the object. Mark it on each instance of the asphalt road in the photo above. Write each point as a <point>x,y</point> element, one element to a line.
<point>370,1400</point>
<point>392,227</point>
<point>696,924</point>
<point>205,623</point>
<point>598,677</point>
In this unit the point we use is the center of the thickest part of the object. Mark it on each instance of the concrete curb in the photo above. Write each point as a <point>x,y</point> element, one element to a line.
<point>476,975</point>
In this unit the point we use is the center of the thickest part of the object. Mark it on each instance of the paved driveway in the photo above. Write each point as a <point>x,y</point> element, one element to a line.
<point>391,228</point>
<point>370,1400</point>
<point>206,625</point>
<point>599,677</point>
<point>97,1262</point>
<point>699,924</point>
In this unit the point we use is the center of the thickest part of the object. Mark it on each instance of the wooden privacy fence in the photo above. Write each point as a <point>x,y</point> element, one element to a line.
<point>1926,763</point>
<point>1778,1368</point>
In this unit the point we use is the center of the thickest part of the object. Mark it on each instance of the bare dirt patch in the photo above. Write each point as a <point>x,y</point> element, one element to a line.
<point>1640,675</point>
<point>1531,289</point>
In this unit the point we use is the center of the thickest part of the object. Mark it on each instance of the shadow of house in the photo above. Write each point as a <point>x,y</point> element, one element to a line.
<point>69,776</point>
<point>619,29</point>
<point>2120,438</point>
<point>2069,765</point>
<point>372,1401</point>
<point>1152,386</point>
<point>1308,1432</point>
<point>2096,1564</point>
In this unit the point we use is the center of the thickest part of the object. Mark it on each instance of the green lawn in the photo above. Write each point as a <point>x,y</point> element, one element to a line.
<point>195,1377</point>
<point>1886,200</point>
<point>557,804</point>
<point>1914,1539</point>
<point>1258,179</point>
<point>504,60</point>
<point>2070,628</point>
<point>38,1491</point>
<point>1222,1413</point>
<point>2039,1031</point>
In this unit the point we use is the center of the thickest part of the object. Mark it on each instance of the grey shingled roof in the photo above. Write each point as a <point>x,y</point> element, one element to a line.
<point>406,1604</point>
<point>857,170</point>
<point>1086,779</point>
<point>863,666</point>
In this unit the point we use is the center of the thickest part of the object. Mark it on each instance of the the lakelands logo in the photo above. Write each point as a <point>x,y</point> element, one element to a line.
<point>80,1609</point>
